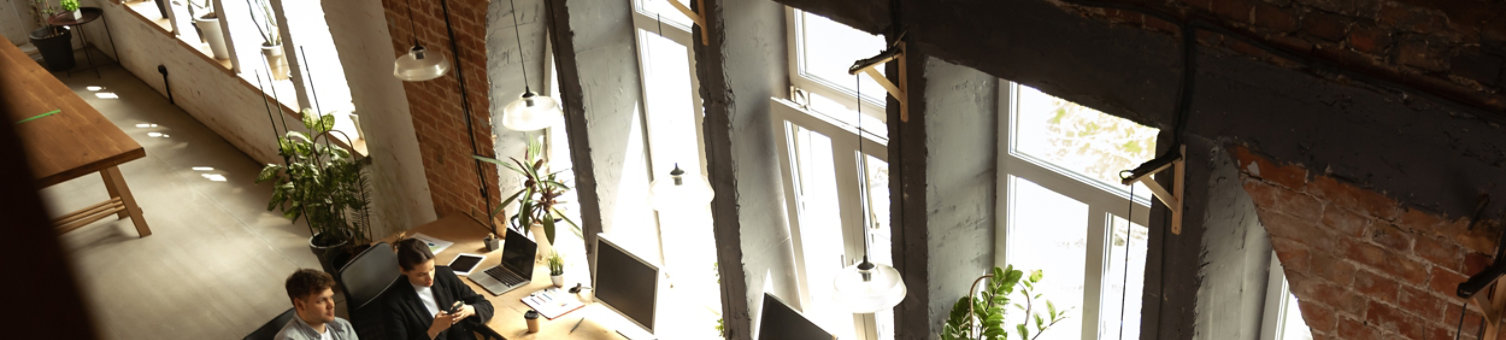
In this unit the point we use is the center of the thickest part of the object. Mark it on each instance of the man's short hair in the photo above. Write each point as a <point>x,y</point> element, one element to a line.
<point>305,282</point>
<point>411,252</point>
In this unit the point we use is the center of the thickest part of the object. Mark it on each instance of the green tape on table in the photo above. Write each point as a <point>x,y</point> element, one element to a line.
<point>49,113</point>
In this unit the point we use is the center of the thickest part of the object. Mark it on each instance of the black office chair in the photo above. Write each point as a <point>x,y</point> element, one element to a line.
<point>364,279</point>
<point>270,329</point>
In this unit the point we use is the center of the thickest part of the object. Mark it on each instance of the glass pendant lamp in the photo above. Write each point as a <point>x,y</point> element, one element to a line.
<point>417,65</point>
<point>530,111</point>
<point>677,191</point>
<point>867,287</point>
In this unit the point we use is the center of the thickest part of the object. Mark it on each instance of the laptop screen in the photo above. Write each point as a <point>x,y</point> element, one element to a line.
<point>517,253</point>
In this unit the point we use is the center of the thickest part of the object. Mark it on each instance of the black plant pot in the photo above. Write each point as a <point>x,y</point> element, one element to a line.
<point>57,49</point>
<point>162,8</point>
<point>331,257</point>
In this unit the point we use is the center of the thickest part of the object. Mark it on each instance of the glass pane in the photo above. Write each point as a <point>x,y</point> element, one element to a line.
<point>1114,281</point>
<point>1292,325</point>
<point>829,48</point>
<point>1079,139</point>
<point>671,111</point>
<point>876,181</point>
<point>1049,231</point>
<point>820,228</point>
<point>664,11</point>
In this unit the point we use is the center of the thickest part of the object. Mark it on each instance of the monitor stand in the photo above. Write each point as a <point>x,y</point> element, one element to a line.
<point>635,333</point>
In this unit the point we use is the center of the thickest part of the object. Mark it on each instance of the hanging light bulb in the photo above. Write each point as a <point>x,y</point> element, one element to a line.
<point>677,191</point>
<point>416,65</point>
<point>867,287</point>
<point>532,112</point>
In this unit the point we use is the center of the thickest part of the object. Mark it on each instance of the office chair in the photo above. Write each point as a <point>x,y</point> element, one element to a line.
<point>364,279</point>
<point>270,329</point>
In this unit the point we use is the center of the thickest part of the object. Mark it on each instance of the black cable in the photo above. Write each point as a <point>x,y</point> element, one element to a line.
<point>522,61</point>
<point>1460,328</point>
<point>412,28</point>
<point>1129,230</point>
<point>465,108</point>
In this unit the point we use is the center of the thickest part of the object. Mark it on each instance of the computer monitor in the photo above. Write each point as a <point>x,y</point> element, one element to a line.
<point>626,283</point>
<point>779,321</point>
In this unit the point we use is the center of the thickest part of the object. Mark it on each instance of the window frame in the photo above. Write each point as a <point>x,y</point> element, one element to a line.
<point>851,176</point>
<point>1103,204</point>
<point>794,36</point>
<point>1273,319</point>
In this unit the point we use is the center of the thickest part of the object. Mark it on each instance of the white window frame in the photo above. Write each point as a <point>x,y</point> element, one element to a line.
<point>850,178</point>
<point>1101,203</point>
<point>794,24</point>
<point>1273,321</point>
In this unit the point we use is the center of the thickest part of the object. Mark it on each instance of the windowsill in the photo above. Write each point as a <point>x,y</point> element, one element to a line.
<point>147,10</point>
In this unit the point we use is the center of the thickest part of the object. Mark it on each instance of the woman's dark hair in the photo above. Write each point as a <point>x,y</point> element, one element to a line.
<point>412,252</point>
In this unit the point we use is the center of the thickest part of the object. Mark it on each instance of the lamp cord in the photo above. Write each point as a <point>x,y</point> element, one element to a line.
<point>1460,328</point>
<point>1129,230</point>
<point>862,168</point>
<point>465,109</point>
<point>412,28</point>
<point>522,60</point>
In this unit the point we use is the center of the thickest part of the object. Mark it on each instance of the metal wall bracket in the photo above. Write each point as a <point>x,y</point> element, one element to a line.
<point>697,18</point>
<point>1178,163</point>
<point>870,67</point>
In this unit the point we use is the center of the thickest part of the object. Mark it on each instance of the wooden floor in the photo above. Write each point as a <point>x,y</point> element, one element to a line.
<point>215,264</point>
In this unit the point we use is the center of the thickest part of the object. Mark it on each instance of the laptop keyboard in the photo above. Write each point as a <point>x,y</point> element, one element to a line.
<point>505,276</point>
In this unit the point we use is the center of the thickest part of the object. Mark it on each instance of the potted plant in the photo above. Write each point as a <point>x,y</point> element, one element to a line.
<point>324,185</point>
<point>538,199</point>
<point>981,315</point>
<point>557,269</point>
<point>54,42</point>
<point>71,6</point>
<point>271,44</point>
<point>207,22</point>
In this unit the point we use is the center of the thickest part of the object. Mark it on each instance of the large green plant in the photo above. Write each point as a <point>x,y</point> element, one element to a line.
<point>539,198</point>
<point>982,316</point>
<point>319,182</point>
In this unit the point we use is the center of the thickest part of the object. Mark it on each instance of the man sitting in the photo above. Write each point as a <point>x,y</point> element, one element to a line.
<point>314,301</point>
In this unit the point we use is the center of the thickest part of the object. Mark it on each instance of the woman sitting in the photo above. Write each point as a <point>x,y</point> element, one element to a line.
<point>431,303</point>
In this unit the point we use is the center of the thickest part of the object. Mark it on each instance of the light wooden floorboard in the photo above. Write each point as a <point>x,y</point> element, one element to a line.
<point>214,266</point>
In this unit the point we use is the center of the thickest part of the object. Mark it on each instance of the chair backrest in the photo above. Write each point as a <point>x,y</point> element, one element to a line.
<point>368,274</point>
<point>270,329</point>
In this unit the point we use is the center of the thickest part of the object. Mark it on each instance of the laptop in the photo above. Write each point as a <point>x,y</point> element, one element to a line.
<point>516,269</point>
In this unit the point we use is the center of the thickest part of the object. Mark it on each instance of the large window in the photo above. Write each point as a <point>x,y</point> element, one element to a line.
<point>821,50</point>
<point>1065,213</point>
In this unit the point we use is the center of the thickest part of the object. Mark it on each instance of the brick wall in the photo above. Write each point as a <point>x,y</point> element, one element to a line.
<point>1456,48</point>
<point>1362,265</point>
<point>435,104</point>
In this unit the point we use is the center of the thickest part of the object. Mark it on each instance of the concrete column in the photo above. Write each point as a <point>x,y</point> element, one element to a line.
<point>1238,253</point>
<point>504,70</point>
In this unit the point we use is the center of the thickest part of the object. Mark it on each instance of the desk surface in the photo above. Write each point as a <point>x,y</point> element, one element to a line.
<point>508,318</point>
<point>72,143</point>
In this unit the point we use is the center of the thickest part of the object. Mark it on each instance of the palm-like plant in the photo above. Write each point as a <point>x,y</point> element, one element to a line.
<point>539,198</point>
<point>982,317</point>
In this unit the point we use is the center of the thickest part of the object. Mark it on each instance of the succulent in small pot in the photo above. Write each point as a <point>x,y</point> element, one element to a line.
<point>557,270</point>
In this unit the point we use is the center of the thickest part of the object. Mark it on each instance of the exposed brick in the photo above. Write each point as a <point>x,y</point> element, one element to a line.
<point>1476,262</point>
<point>1420,52</point>
<point>1479,67</point>
<point>1387,262</point>
<point>1369,39</point>
<point>1422,303</point>
<point>1390,237</point>
<point>1439,253</point>
<point>1346,196</point>
<point>1270,198</point>
<point>1471,323</point>
<point>1375,286</point>
<point>1275,19</point>
<point>1319,317</point>
<point>1410,18</point>
<point>1445,282</point>
<point>1346,223</point>
<point>1390,319</point>
<point>1331,267</point>
<point>1235,10</point>
<point>1325,26</point>
<point>1293,255</point>
<point>1286,175</point>
<point>1351,328</point>
<point>1300,229</point>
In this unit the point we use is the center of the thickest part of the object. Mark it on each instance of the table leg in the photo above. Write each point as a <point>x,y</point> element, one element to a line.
<point>114,179</point>
<point>110,188</point>
<point>90,57</point>
<point>108,33</point>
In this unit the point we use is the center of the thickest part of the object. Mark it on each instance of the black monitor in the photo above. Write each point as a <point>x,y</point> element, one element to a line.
<point>626,283</point>
<point>779,321</point>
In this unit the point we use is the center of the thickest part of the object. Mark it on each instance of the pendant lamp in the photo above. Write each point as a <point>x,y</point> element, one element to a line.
<point>531,111</point>
<point>867,287</point>
<point>417,64</point>
<point>677,191</point>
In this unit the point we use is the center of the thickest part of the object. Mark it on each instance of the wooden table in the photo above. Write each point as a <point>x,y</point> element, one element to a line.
<point>507,320</point>
<point>74,142</point>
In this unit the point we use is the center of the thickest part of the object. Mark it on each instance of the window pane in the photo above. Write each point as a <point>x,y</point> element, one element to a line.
<point>1292,325</point>
<point>1078,139</point>
<point>1049,231</point>
<point>820,228</point>
<point>662,10</point>
<point>876,181</point>
<point>1114,281</point>
<point>829,48</point>
<point>671,112</point>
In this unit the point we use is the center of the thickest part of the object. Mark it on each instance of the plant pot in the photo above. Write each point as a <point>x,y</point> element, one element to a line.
<point>76,15</point>
<point>57,49</point>
<point>331,256</point>
<point>211,33</point>
<point>537,230</point>
<point>492,243</point>
<point>559,280</point>
<point>276,61</point>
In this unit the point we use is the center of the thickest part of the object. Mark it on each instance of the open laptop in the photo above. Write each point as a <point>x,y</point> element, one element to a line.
<point>516,269</point>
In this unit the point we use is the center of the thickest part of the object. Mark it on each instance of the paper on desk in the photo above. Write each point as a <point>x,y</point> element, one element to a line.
<point>552,302</point>
<point>436,245</point>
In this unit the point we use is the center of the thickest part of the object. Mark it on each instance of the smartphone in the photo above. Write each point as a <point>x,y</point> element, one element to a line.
<point>455,308</point>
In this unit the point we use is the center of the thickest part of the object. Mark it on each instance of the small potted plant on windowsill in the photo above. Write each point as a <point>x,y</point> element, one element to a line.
<point>54,42</point>
<point>271,45</point>
<point>71,6</point>
<point>207,21</point>
<point>557,269</point>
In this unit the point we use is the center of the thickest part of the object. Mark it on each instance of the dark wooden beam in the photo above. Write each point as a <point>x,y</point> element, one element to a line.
<point>907,196</point>
<point>866,15</point>
<point>716,95</point>
<point>573,101</point>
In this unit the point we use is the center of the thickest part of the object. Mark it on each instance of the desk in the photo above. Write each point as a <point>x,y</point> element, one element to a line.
<point>508,318</point>
<point>69,144</point>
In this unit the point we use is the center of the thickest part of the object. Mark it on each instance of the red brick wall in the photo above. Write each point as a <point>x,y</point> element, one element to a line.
<point>1453,47</point>
<point>435,104</point>
<point>1361,265</point>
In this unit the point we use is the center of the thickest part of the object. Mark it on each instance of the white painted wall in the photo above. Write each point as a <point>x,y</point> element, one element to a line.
<point>1230,302</point>
<point>15,20</point>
